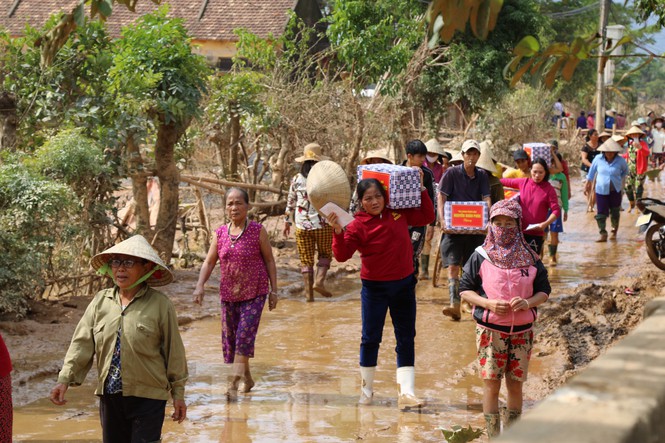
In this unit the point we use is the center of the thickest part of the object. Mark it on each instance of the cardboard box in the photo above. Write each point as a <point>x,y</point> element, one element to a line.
<point>402,184</point>
<point>541,150</point>
<point>465,217</point>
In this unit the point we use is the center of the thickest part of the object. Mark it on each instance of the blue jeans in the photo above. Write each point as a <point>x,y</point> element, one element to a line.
<point>377,297</point>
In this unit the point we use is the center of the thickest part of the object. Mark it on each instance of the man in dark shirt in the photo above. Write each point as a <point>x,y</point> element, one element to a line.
<point>581,121</point>
<point>464,182</point>
<point>416,153</point>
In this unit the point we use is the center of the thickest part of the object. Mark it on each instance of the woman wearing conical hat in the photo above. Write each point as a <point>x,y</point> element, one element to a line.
<point>132,329</point>
<point>313,234</point>
<point>609,170</point>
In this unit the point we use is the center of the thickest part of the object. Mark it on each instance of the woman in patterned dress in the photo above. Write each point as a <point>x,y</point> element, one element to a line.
<point>246,266</point>
<point>312,231</point>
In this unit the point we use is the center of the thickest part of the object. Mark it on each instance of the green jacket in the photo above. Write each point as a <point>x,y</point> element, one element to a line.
<point>152,356</point>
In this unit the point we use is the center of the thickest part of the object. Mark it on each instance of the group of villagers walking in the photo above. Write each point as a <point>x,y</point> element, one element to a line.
<point>132,328</point>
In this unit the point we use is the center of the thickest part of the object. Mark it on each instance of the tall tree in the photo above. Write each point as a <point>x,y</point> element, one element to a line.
<point>158,82</point>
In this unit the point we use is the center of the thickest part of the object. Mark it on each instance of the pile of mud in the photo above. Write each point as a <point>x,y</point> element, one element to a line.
<point>578,328</point>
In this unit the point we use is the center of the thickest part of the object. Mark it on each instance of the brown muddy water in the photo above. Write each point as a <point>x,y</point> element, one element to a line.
<point>306,365</point>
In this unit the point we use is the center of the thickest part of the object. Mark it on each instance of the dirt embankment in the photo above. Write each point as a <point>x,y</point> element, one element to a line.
<point>575,329</point>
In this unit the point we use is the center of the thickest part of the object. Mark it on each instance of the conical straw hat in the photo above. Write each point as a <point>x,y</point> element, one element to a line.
<point>634,130</point>
<point>433,145</point>
<point>327,182</point>
<point>137,246</point>
<point>610,146</point>
<point>485,161</point>
<point>457,156</point>
<point>604,134</point>
<point>377,153</point>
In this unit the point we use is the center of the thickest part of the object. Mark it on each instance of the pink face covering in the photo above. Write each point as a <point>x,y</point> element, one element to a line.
<point>506,247</point>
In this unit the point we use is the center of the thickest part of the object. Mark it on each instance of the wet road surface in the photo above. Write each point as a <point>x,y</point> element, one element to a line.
<point>306,365</point>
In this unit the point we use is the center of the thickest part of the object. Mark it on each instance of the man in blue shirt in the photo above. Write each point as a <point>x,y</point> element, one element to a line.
<point>581,121</point>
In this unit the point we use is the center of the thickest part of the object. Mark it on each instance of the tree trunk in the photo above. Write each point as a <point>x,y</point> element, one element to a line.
<point>139,188</point>
<point>358,134</point>
<point>235,140</point>
<point>8,122</point>
<point>169,177</point>
<point>278,163</point>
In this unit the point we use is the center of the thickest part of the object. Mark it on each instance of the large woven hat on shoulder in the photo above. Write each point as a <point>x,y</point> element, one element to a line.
<point>327,182</point>
<point>313,152</point>
<point>610,146</point>
<point>433,145</point>
<point>485,161</point>
<point>137,246</point>
<point>634,130</point>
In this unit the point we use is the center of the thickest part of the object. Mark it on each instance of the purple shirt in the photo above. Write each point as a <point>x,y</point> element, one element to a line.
<point>581,122</point>
<point>244,274</point>
<point>456,185</point>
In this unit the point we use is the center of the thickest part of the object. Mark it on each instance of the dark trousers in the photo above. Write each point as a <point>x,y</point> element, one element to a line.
<point>131,419</point>
<point>607,202</point>
<point>377,298</point>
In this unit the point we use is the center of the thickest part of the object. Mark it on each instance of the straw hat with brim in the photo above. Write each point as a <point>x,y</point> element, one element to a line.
<point>634,130</point>
<point>312,152</point>
<point>604,134</point>
<point>485,161</point>
<point>327,182</point>
<point>137,246</point>
<point>610,146</point>
<point>621,139</point>
<point>659,118</point>
<point>378,153</point>
<point>433,145</point>
<point>457,157</point>
<point>611,112</point>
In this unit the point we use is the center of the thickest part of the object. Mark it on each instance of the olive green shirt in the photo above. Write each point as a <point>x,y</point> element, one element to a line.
<point>152,355</point>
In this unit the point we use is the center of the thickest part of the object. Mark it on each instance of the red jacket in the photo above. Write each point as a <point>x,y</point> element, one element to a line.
<point>383,241</point>
<point>641,157</point>
<point>5,361</point>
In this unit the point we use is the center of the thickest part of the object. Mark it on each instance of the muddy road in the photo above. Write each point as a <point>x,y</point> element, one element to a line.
<point>306,363</point>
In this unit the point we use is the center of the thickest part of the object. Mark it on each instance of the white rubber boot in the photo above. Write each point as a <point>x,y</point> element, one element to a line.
<point>406,379</point>
<point>366,385</point>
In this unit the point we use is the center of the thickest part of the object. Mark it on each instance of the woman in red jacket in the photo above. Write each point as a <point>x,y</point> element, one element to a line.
<point>6,416</point>
<point>637,157</point>
<point>381,235</point>
<point>540,205</point>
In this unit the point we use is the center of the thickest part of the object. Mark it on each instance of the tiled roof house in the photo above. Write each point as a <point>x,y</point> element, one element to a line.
<point>210,22</point>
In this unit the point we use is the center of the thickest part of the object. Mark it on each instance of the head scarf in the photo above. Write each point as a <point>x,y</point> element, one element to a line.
<point>506,247</point>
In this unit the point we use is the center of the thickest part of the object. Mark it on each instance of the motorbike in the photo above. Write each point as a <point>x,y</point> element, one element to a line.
<point>653,218</point>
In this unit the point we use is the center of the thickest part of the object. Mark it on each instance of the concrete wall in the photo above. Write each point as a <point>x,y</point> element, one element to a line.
<point>619,397</point>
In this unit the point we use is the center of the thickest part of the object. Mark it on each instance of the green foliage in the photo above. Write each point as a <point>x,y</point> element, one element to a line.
<point>470,72</point>
<point>154,69</point>
<point>372,38</point>
<point>70,92</point>
<point>239,94</point>
<point>458,434</point>
<point>72,158</point>
<point>35,215</point>
<point>647,8</point>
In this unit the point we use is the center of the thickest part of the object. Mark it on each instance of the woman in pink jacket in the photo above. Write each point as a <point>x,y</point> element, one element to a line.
<point>504,280</point>
<point>540,205</point>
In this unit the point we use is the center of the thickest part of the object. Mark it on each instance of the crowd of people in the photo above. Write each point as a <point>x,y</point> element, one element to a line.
<point>131,329</point>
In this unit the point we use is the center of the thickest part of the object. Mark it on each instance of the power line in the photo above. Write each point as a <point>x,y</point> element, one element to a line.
<point>572,12</point>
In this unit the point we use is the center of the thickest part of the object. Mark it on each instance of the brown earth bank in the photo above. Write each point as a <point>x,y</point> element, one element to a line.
<point>573,328</point>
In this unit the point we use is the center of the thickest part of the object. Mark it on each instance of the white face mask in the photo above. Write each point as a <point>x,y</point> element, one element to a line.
<point>432,158</point>
<point>659,125</point>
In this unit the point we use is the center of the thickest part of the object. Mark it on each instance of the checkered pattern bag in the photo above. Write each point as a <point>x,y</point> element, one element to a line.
<point>539,150</point>
<point>400,182</point>
<point>480,224</point>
